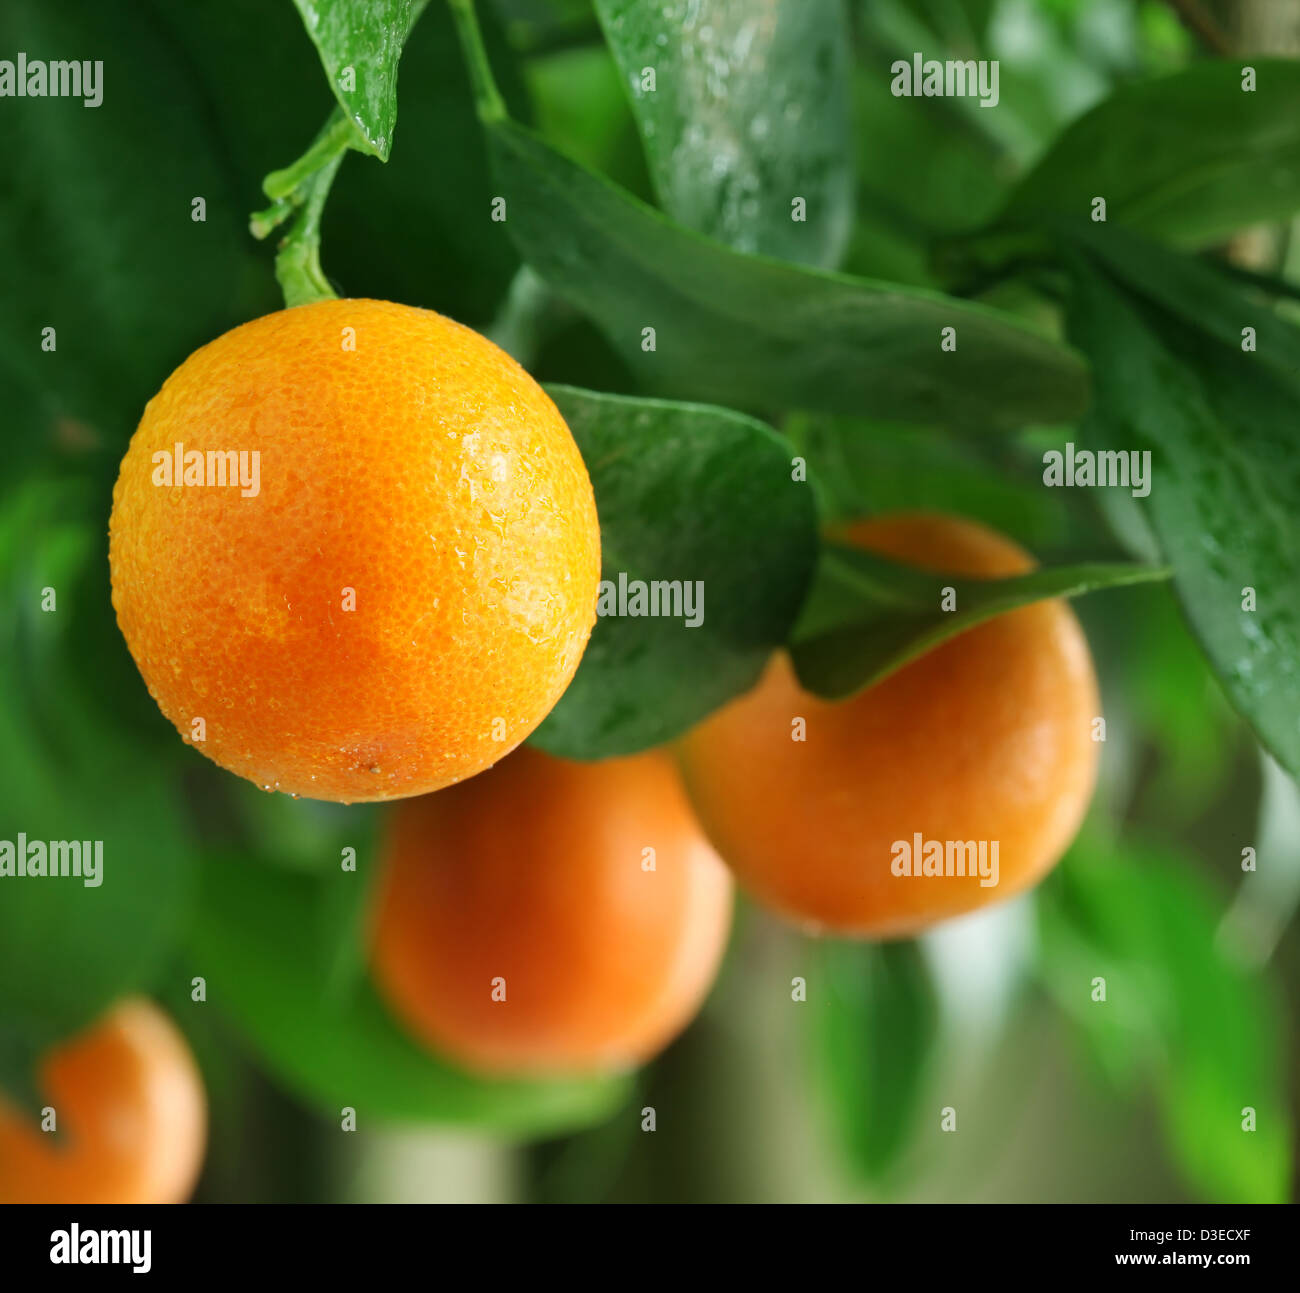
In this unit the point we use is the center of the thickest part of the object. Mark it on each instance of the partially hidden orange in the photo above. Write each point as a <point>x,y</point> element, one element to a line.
<point>550,916</point>
<point>954,782</point>
<point>130,1118</point>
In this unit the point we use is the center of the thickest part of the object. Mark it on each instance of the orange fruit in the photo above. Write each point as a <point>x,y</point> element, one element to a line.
<point>131,1118</point>
<point>986,739</point>
<point>405,590</point>
<point>522,927</point>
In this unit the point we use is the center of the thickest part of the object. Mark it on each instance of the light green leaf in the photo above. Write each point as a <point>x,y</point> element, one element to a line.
<point>360,46</point>
<point>875,1023</point>
<point>1178,1011</point>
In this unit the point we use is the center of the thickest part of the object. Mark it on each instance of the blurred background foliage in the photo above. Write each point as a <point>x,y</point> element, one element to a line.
<point>767,1097</point>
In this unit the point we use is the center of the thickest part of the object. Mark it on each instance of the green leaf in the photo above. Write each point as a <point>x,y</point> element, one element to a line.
<point>924,169</point>
<point>1177,1011</point>
<point>578,100</point>
<point>69,948</point>
<point>695,494</point>
<point>860,467</point>
<point>98,231</point>
<point>1225,488</point>
<point>21,1049</point>
<point>876,1022</point>
<point>1177,700</point>
<point>749,111</point>
<point>1190,157</point>
<point>360,46</point>
<point>1197,292</point>
<point>256,943</point>
<point>432,193</point>
<point>747,331</point>
<point>344,907</point>
<point>866,616</point>
<point>418,230</point>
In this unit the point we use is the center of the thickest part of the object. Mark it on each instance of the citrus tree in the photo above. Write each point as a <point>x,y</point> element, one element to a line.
<point>721,270</point>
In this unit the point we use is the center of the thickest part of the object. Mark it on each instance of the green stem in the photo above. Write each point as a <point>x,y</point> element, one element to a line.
<point>487,98</point>
<point>297,263</point>
<point>1273,284</point>
<point>336,136</point>
<point>298,192</point>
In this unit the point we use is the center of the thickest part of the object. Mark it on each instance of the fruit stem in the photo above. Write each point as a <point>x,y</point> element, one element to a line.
<point>298,191</point>
<point>335,137</point>
<point>487,98</point>
<point>297,263</point>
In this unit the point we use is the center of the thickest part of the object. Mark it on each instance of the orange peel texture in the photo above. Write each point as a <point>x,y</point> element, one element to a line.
<point>524,928</point>
<point>410,588</point>
<point>987,737</point>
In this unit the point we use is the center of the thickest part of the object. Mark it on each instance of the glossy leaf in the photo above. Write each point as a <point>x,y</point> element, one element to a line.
<point>360,46</point>
<point>1190,157</point>
<point>256,943</point>
<point>1225,490</point>
<point>432,193</point>
<point>748,115</point>
<point>695,494</point>
<point>866,616</point>
<point>746,331</point>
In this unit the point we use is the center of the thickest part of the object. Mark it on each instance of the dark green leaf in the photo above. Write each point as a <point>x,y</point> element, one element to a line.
<point>1176,1010</point>
<point>1190,156</point>
<point>414,230</point>
<point>866,616</point>
<point>924,169</point>
<point>876,1022</point>
<point>688,493</point>
<point>1225,492</point>
<point>745,331</point>
<point>255,943</point>
<point>98,230</point>
<point>360,46</point>
<point>861,467</point>
<point>68,949</point>
<point>749,111</point>
<point>1200,294</point>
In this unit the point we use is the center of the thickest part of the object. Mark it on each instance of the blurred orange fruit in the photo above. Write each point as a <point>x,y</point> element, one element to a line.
<point>986,738</point>
<point>403,581</point>
<point>551,917</point>
<point>132,1118</point>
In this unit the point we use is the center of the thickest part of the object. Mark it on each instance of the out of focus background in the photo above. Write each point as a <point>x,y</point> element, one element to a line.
<point>847,1095</point>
